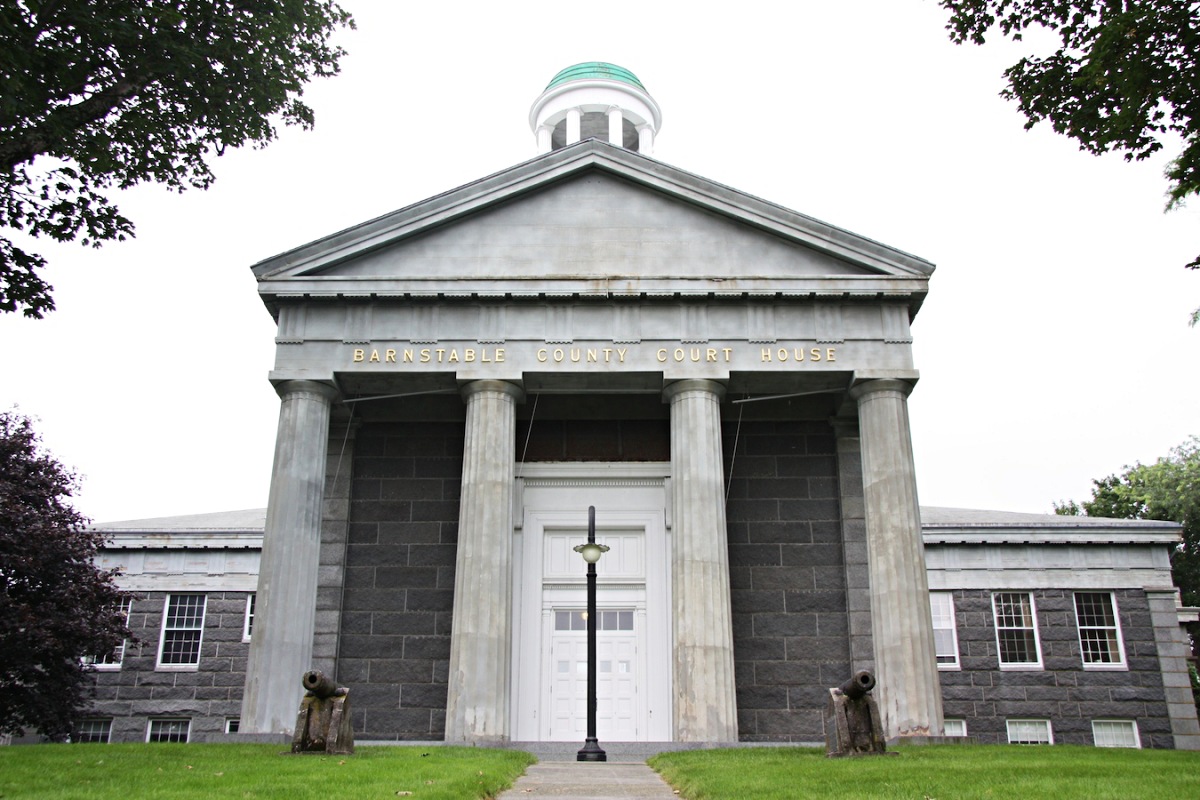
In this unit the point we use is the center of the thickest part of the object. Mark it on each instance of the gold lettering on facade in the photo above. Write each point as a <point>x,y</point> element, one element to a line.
<point>829,354</point>
<point>587,355</point>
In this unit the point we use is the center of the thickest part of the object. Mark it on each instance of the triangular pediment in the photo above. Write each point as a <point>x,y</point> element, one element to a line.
<point>587,219</point>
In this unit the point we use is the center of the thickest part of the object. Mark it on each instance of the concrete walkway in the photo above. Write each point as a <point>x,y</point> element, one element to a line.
<point>560,780</point>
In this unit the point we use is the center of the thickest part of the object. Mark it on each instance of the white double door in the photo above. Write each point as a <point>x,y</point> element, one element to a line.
<point>550,599</point>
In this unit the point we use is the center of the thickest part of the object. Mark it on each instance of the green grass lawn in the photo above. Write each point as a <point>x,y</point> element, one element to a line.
<point>946,772</point>
<point>252,772</point>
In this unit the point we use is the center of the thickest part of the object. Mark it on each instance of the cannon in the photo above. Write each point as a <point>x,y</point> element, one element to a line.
<point>861,684</point>
<point>852,723</point>
<point>323,724</point>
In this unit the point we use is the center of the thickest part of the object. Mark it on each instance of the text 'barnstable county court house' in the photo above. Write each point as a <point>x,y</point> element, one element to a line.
<point>726,381</point>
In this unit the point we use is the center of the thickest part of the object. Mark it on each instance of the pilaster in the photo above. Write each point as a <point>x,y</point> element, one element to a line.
<point>481,634</point>
<point>1173,654</point>
<point>908,690</point>
<point>854,543</point>
<point>281,649</point>
<point>705,700</point>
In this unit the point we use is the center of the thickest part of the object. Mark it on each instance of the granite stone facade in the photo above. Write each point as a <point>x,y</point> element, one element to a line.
<point>787,575</point>
<point>208,694</point>
<point>1061,690</point>
<point>399,584</point>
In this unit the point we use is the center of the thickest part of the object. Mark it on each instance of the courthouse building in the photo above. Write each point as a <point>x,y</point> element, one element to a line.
<point>726,382</point>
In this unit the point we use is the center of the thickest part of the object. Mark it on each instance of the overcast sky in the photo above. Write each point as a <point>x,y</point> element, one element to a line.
<point>1053,347</point>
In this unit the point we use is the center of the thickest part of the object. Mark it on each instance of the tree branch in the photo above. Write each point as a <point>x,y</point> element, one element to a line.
<point>37,141</point>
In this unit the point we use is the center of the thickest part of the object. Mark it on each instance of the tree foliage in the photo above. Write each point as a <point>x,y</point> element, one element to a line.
<point>102,94</point>
<point>56,606</point>
<point>1126,78</point>
<point>1168,489</point>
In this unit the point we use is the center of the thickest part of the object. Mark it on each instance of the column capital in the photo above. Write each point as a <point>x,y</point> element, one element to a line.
<point>673,390</point>
<point>285,388</point>
<point>468,390</point>
<point>861,390</point>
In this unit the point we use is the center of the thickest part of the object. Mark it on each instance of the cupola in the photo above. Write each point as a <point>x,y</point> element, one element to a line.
<point>595,100</point>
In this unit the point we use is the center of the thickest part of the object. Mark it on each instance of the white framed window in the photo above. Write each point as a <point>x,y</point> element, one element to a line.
<point>168,730</point>
<point>97,731</point>
<point>955,727</point>
<point>1100,643</point>
<point>182,631</point>
<point>1030,731</point>
<point>232,724</point>
<point>110,662</point>
<point>1116,733</point>
<point>248,627</point>
<point>607,621</point>
<point>945,631</point>
<point>1016,630</point>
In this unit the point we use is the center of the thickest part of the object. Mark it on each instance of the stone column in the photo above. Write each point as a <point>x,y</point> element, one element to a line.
<point>477,709</point>
<point>616,126</point>
<point>908,692</point>
<point>645,140</point>
<point>285,609</point>
<point>574,123</point>
<point>705,700</point>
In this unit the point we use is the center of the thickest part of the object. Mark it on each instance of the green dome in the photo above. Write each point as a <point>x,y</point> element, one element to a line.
<point>596,70</point>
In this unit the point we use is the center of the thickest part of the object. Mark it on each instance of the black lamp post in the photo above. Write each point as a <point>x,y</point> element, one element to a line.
<point>591,553</point>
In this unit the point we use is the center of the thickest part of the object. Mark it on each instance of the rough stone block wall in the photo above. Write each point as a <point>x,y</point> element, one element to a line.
<point>1063,692</point>
<point>595,440</point>
<point>207,696</point>
<point>394,647</point>
<point>790,620</point>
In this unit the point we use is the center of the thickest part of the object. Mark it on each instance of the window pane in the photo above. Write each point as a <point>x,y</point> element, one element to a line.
<point>1099,632</point>
<point>168,730</point>
<point>1115,733</point>
<point>181,647</point>
<point>95,731</point>
<point>1016,629</point>
<point>249,629</point>
<point>183,628</point>
<point>114,658</point>
<point>945,634</point>
<point>1029,731</point>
